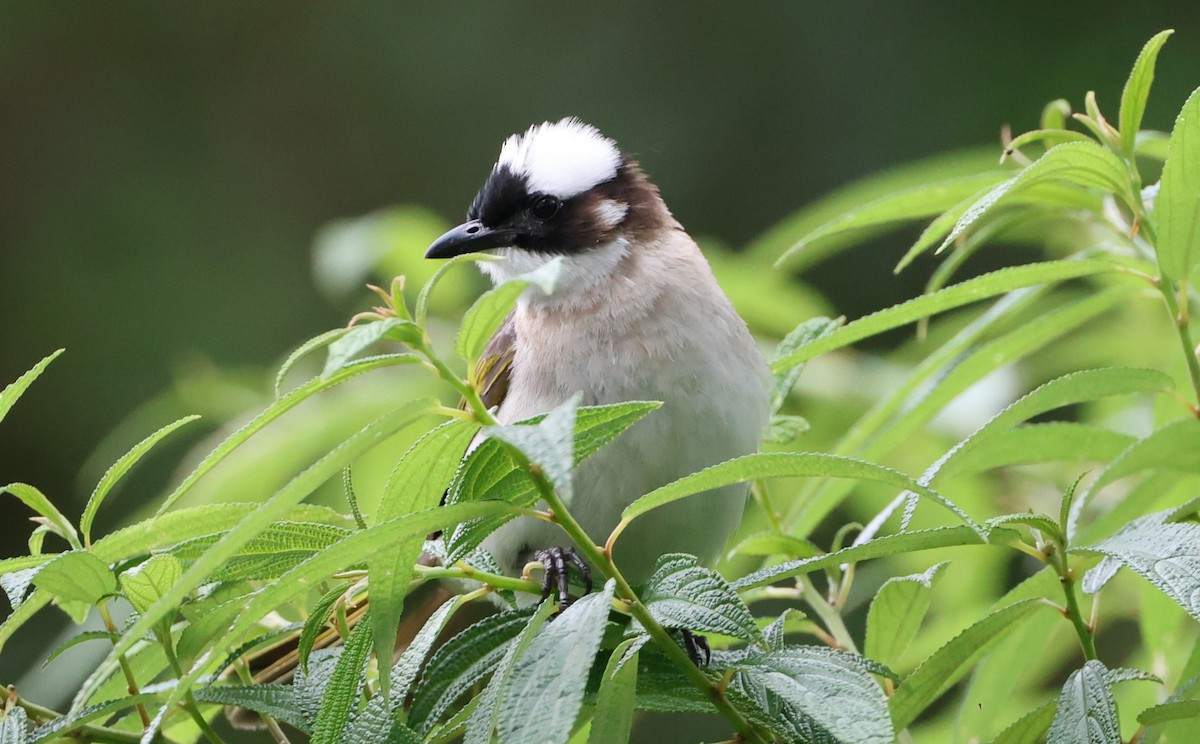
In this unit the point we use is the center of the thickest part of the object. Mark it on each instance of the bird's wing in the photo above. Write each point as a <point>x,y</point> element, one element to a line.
<point>493,371</point>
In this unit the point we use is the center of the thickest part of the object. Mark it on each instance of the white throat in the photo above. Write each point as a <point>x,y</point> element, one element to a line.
<point>580,272</point>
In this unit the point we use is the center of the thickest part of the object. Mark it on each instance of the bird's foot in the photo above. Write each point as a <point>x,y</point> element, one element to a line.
<point>556,563</point>
<point>697,648</point>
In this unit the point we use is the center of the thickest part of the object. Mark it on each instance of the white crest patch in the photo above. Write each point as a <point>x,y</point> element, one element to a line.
<point>562,158</point>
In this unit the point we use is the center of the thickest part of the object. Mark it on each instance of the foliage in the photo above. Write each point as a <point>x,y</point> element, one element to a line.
<point>834,542</point>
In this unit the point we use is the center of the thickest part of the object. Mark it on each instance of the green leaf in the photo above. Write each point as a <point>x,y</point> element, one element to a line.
<point>616,702</point>
<point>832,688</point>
<point>279,547</point>
<point>1087,712</point>
<point>1030,444</point>
<point>277,409</point>
<point>15,727</point>
<point>973,290</point>
<point>277,701</point>
<point>317,621</point>
<point>404,673</point>
<point>77,576</point>
<point>345,686</point>
<point>309,346</point>
<point>805,333</point>
<point>59,727</point>
<point>415,484</point>
<point>904,542</point>
<point>1030,728</point>
<point>147,582</point>
<point>269,511</point>
<point>301,578</point>
<point>361,337</point>
<point>481,726</point>
<point>14,390</point>
<point>949,663</point>
<point>683,594</point>
<point>1175,446</point>
<point>1167,554</point>
<point>1137,90</point>
<point>1173,711</point>
<point>118,470</point>
<point>549,444</point>
<point>421,309</point>
<point>1070,389</point>
<point>461,663</point>
<point>900,206</point>
<point>545,689</point>
<point>75,640</point>
<point>779,465</point>
<point>1085,164</point>
<point>1177,208</point>
<point>37,501</point>
<point>484,318</point>
<point>896,613</point>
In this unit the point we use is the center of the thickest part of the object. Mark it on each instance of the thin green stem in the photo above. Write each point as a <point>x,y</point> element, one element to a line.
<point>1179,318</point>
<point>829,616</point>
<point>1066,577</point>
<point>189,701</point>
<point>463,571</point>
<point>130,681</point>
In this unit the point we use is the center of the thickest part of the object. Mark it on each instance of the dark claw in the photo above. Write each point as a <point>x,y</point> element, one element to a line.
<point>555,561</point>
<point>695,645</point>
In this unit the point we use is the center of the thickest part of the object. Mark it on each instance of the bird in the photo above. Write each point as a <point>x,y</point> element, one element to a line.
<point>635,314</point>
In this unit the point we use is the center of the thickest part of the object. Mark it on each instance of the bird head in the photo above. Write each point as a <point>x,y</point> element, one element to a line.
<point>558,189</point>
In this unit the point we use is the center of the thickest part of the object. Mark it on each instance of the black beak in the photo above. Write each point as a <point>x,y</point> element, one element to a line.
<point>469,237</point>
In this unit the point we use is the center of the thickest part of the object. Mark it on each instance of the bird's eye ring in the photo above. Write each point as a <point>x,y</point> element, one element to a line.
<point>546,207</point>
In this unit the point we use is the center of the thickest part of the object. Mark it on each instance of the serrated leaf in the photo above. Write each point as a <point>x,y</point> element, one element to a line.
<point>832,688</point>
<point>683,594</point>
<point>277,409</point>
<point>75,640</point>
<point>896,613</point>
<point>904,205</point>
<point>36,500</point>
<point>481,726</point>
<point>483,318</point>
<point>147,582</point>
<point>77,576</point>
<point>549,444</point>
<point>1173,711</point>
<point>118,470</point>
<point>617,698</point>
<point>1137,90</point>
<point>15,727</point>
<point>544,692</point>
<point>803,334</point>
<point>309,346</point>
<point>904,542</point>
<point>415,484</point>
<point>267,555</point>
<point>1087,712</point>
<point>1085,164</point>
<point>1177,208</point>
<point>14,390</point>
<point>1039,522</point>
<point>317,620</point>
<point>354,341</point>
<point>777,465</point>
<point>404,673</point>
<point>277,701</point>
<point>1175,446</point>
<point>973,290</point>
<point>1031,444</point>
<point>1030,728</point>
<point>345,686</point>
<point>16,584</point>
<point>1167,554</point>
<point>462,662</point>
<point>949,663</point>
<point>64,725</point>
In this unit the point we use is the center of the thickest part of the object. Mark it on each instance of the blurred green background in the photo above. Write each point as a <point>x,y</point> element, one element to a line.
<point>166,170</point>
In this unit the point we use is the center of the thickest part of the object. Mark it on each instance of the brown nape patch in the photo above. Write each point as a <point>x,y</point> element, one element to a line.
<point>647,211</point>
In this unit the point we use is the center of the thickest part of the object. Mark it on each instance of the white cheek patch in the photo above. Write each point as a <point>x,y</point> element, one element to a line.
<point>609,213</point>
<point>563,158</point>
<point>579,271</point>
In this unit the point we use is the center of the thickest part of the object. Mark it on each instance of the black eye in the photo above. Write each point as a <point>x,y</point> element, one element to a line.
<point>546,207</point>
